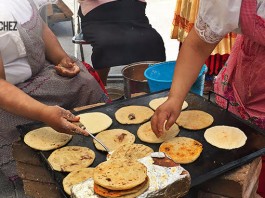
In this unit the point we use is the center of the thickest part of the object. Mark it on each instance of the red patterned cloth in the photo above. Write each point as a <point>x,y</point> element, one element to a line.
<point>215,63</point>
<point>241,81</point>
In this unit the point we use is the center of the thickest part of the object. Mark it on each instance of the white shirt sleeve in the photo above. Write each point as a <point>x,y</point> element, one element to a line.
<point>216,18</point>
<point>12,48</point>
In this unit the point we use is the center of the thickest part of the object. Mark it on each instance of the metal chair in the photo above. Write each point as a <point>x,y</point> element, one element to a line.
<point>78,39</point>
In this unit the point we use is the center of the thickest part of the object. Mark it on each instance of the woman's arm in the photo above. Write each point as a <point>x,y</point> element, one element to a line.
<point>54,52</point>
<point>192,56</point>
<point>53,49</point>
<point>15,101</point>
<point>2,71</point>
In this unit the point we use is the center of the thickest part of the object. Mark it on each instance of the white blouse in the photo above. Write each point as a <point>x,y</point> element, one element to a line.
<point>13,52</point>
<point>216,18</point>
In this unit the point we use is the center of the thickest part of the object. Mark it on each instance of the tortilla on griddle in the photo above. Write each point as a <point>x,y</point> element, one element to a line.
<point>155,103</point>
<point>194,119</point>
<point>71,158</point>
<point>95,122</point>
<point>225,137</point>
<point>120,174</point>
<point>46,139</point>
<point>182,150</point>
<point>146,134</point>
<point>131,151</point>
<point>133,114</point>
<point>114,138</point>
<point>76,177</point>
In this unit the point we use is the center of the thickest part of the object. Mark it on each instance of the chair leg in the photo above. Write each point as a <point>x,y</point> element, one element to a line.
<point>73,27</point>
<point>82,52</point>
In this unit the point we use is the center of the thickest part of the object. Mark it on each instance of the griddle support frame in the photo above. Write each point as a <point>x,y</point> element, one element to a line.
<point>212,92</point>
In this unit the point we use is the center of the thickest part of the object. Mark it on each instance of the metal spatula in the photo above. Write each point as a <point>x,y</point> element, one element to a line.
<point>84,128</point>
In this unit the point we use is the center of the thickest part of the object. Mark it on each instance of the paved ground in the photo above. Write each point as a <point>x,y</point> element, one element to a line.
<point>159,12</point>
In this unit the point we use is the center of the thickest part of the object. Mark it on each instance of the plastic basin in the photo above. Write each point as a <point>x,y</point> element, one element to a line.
<point>159,77</point>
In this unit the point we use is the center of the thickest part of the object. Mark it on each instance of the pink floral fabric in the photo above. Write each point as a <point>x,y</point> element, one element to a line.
<point>241,80</point>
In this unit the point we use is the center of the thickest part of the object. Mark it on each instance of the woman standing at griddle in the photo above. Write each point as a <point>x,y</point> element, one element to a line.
<point>241,79</point>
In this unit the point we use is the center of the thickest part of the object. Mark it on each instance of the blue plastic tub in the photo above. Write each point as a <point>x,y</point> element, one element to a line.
<point>159,77</point>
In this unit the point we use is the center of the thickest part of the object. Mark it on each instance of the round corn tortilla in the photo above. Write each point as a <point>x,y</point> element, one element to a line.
<point>46,139</point>
<point>76,177</point>
<point>146,134</point>
<point>225,137</point>
<point>182,150</point>
<point>113,139</point>
<point>133,114</point>
<point>71,158</point>
<point>122,174</point>
<point>155,103</point>
<point>130,193</point>
<point>194,119</point>
<point>91,121</point>
<point>131,151</point>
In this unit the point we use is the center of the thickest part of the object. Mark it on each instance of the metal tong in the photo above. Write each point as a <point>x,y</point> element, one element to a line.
<point>84,128</point>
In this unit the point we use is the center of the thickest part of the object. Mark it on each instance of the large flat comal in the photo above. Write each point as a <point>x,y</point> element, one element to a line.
<point>212,161</point>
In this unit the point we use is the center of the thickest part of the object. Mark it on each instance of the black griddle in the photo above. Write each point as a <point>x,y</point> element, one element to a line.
<point>212,161</point>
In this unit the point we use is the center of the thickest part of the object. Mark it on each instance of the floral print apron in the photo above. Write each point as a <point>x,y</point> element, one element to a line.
<point>241,81</point>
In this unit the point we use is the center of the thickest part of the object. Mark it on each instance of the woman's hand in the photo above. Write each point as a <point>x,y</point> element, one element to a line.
<point>166,115</point>
<point>62,120</point>
<point>67,68</point>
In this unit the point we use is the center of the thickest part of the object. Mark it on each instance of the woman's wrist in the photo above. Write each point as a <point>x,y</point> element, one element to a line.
<point>45,114</point>
<point>176,98</point>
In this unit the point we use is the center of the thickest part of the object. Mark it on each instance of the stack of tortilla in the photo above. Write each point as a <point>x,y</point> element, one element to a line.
<point>120,178</point>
